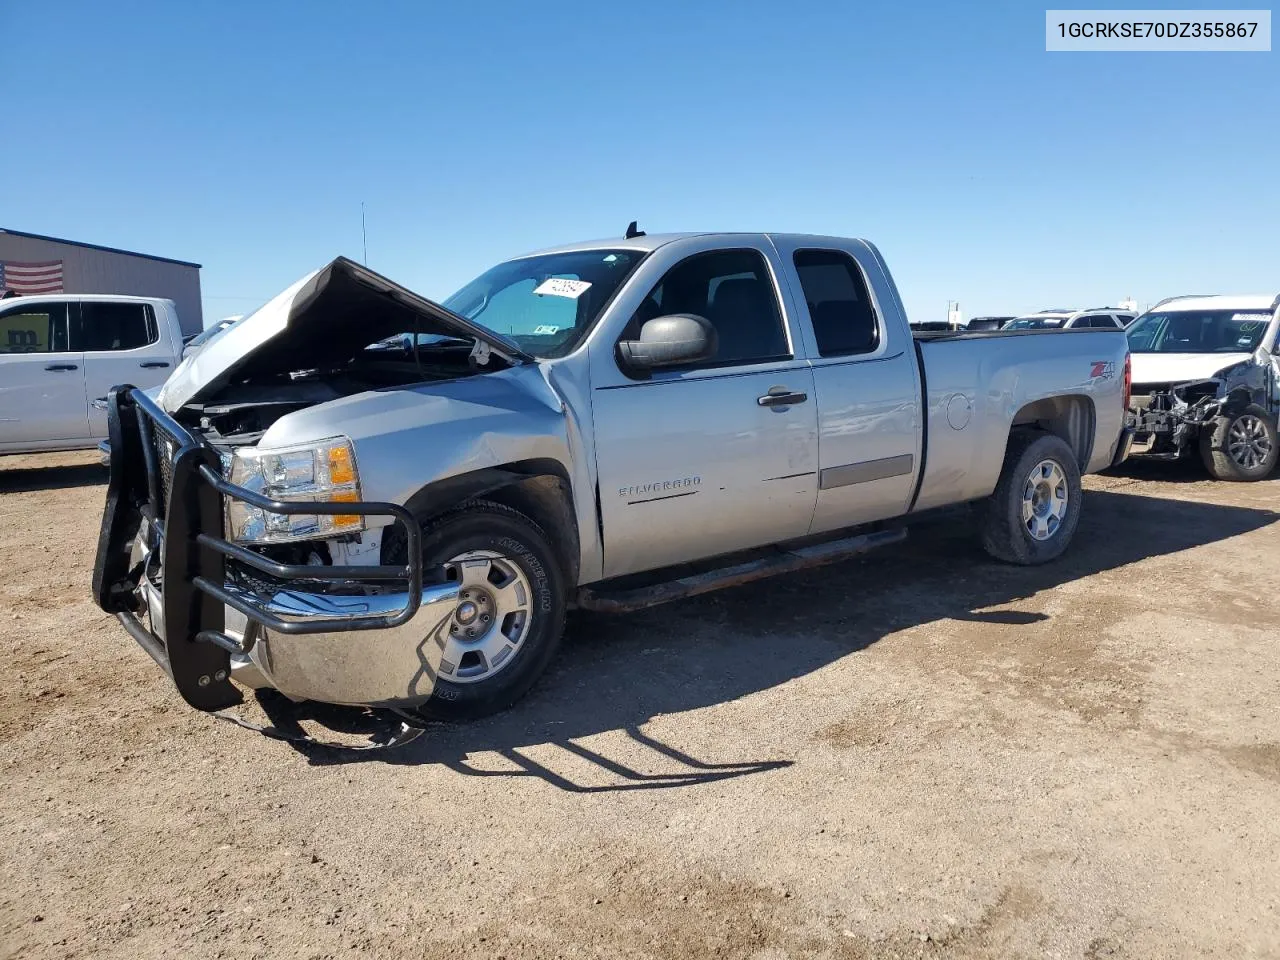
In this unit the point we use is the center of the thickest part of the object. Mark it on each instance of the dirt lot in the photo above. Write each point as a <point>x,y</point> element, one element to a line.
<point>920,754</point>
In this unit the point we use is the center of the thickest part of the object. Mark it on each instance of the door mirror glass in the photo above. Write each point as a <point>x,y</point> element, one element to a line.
<point>669,341</point>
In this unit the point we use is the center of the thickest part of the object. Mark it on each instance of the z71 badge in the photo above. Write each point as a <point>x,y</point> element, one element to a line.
<point>1102,370</point>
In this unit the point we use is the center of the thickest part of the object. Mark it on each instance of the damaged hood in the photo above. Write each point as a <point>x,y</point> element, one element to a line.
<point>324,319</point>
<point>1181,367</point>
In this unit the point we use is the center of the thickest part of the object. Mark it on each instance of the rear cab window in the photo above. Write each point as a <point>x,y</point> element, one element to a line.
<point>106,326</point>
<point>844,320</point>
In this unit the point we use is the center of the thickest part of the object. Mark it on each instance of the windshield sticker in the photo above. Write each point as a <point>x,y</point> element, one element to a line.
<point>545,330</point>
<point>562,287</point>
<point>1249,321</point>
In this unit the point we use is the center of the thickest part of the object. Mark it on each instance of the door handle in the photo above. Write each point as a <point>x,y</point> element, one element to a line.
<point>781,397</point>
<point>61,367</point>
<point>153,364</point>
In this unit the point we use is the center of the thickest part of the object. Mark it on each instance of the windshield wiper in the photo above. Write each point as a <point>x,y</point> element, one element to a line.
<point>405,343</point>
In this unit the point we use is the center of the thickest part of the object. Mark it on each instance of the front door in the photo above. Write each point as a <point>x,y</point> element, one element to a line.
<point>42,397</point>
<point>718,456</point>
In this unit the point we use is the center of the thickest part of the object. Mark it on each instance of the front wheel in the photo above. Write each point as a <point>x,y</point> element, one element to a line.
<point>510,613</point>
<point>1033,513</point>
<point>1242,447</point>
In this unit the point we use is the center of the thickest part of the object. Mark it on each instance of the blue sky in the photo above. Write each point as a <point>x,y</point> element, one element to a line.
<point>245,136</point>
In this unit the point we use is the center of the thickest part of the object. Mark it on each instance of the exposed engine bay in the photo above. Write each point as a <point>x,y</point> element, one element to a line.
<point>344,330</point>
<point>1167,418</point>
<point>239,413</point>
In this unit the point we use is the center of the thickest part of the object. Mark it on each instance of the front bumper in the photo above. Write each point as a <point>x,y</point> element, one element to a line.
<point>201,605</point>
<point>1160,434</point>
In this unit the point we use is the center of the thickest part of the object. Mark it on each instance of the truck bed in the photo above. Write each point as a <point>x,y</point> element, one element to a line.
<point>979,385</point>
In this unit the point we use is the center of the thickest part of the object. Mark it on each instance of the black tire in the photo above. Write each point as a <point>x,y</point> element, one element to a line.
<point>1005,535</point>
<point>1217,457</point>
<point>482,525</point>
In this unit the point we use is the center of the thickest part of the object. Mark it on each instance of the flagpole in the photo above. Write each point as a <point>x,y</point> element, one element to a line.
<point>364,236</point>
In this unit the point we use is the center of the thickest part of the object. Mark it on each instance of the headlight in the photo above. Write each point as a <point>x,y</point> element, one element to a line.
<point>321,471</point>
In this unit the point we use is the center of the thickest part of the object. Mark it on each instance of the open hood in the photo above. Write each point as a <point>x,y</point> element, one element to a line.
<point>324,319</point>
<point>1181,367</point>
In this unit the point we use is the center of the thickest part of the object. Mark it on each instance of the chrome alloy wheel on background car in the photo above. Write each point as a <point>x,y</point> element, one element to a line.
<point>491,619</point>
<point>1044,500</point>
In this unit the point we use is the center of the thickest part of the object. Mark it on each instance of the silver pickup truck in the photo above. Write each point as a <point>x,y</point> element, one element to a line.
<point>359,496</point>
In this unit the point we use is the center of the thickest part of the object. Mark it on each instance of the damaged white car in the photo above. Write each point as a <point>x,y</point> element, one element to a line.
<point>1206,381</point>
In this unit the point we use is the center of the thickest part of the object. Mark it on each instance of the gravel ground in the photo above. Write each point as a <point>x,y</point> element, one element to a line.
<point>922,753</point>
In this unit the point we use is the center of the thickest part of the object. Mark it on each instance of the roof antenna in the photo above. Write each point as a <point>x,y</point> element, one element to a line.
<point>364,236</point>
<point>633,231</point>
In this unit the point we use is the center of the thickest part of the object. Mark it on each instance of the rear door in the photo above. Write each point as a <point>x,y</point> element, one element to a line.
<point>122,342</point>
<point>42,395</point>
<point>867,381</point>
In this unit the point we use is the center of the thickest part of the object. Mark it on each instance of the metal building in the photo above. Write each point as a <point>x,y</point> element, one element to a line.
<point>30,263</point>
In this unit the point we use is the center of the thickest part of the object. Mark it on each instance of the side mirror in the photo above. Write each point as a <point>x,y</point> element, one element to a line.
<point>668,341</point>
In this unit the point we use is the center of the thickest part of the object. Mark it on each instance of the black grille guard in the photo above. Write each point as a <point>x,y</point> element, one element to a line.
<point>177,499</point>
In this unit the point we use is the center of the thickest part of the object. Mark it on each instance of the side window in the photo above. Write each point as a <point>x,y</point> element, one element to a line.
<point>734,291</point>
<point>844,321</point>
<point>115,326</point>
<point>39,328</point>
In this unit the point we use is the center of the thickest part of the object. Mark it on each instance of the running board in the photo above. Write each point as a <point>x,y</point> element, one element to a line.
<point>603,600</point>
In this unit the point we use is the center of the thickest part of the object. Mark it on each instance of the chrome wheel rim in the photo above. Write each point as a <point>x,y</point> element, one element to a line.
<point>491,619</point>
<point>1248,442</point>
<point>1045,500</point>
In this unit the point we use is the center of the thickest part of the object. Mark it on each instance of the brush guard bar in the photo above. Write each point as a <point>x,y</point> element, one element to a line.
<point>167,485</point>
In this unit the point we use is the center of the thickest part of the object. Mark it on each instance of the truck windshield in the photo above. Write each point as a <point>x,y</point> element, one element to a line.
<point>208,333</point>
<point>1197,331</point>
<point>546,304</point>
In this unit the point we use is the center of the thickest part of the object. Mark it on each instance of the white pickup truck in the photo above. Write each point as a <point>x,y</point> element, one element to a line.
<point>357,495</point>
<point>60,352</point>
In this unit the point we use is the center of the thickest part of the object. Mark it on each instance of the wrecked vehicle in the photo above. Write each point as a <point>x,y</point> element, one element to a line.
<point>356,495</point>
<point>1206,381</point>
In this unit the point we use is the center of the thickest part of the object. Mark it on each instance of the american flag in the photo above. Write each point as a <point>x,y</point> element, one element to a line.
<point>30,278</point>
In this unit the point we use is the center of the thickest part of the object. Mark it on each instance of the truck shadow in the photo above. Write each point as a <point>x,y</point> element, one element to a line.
<point>1188,470</point>
<point>27,479</point>
<point>616,673</point>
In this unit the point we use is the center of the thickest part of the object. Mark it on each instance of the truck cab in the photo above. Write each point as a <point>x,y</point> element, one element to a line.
<point>59,353</point>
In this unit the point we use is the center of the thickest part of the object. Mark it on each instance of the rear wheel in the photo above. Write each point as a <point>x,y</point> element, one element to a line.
<point>1242,447</point>
<point>510,612</point>
<point>1033,513</point>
